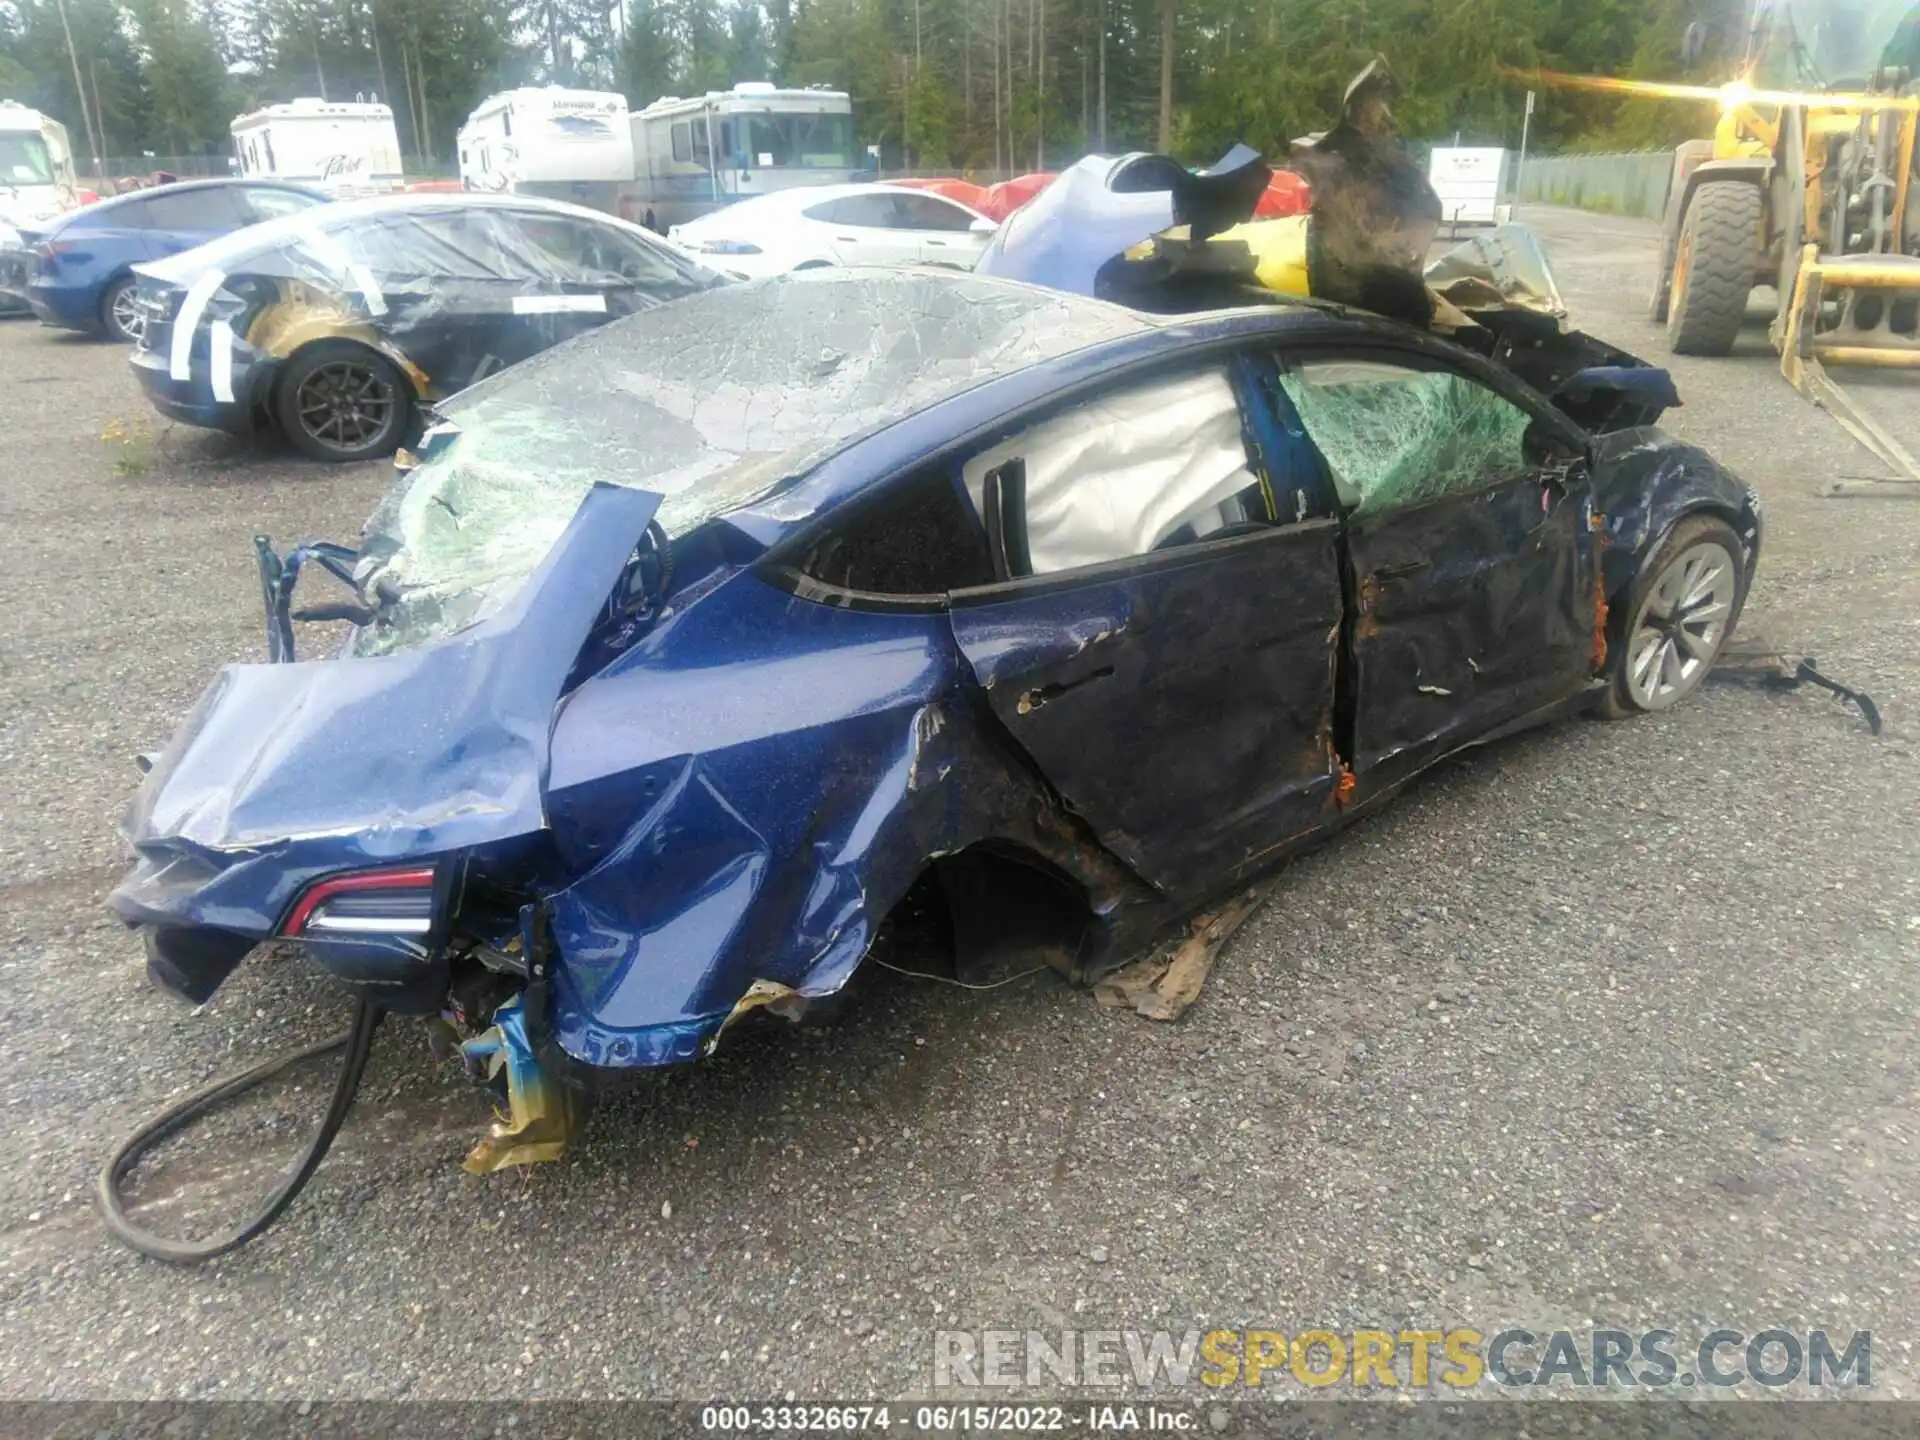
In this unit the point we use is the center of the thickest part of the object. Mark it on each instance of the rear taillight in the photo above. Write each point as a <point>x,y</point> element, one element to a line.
<point>365,902</point>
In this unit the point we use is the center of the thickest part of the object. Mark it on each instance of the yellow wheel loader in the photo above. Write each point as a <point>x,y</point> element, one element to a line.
<point>1805,187</point>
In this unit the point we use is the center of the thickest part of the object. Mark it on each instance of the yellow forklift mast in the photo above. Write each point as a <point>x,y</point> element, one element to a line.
<point>1805,187</point>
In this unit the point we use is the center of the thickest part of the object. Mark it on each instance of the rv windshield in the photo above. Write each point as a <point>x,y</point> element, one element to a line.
<point>24,160</point>
<point>811,142</point>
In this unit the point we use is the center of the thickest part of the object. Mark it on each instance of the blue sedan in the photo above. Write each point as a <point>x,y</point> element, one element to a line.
<point>77,272</point>
<point>697,656</point>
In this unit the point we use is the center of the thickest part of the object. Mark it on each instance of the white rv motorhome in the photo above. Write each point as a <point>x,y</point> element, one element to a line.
<point>36,166</point>
<point>565,144</point>
<point>344,147</point>
<point>36,185</point>
<point>693,156</point>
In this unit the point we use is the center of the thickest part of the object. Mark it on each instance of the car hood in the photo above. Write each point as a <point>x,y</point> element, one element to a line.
<point>286,771</point>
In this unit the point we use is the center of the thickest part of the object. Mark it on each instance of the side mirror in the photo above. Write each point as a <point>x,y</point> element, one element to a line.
<point>1543,446</point>
<point>982,226</point>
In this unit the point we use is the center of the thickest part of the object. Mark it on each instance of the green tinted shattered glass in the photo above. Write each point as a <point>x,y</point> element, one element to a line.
<point>1394,437</point>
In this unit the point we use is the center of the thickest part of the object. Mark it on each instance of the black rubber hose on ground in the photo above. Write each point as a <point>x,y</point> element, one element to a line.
<point>358,1044</point>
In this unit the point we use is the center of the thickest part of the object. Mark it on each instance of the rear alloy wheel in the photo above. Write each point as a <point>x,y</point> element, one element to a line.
<point>1713,267</point>
<point>1678,618</point>
<point>119,316</point>
<point>340,401</point>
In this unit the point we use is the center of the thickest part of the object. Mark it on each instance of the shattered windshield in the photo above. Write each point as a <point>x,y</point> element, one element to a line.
<point>711,402</point>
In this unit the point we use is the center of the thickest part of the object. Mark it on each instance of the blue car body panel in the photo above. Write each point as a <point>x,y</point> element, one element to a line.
<point>287,772</point>
<point>95,248</point>
<point>65,291</point>
<point>1645,481</point>
<point>1212,672</point>
<point>746,820</point>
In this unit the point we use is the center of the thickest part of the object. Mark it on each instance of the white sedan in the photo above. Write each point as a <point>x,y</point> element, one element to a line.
<point>869,224</point>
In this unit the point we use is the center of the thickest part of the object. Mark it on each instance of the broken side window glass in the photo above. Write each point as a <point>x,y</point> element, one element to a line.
<point>1135,470</point>
<point>1393,437</point>
<point>916,538</point>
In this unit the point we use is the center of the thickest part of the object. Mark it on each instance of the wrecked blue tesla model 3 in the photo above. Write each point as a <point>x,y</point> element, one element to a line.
<point>691,651</point>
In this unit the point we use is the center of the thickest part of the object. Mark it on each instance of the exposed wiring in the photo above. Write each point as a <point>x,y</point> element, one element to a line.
<point>949,980</point>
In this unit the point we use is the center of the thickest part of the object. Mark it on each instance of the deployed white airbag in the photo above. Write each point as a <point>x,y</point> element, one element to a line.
<point>1116,476</point>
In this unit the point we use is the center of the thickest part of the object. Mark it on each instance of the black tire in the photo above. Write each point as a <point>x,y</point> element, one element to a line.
<point>374,409</point>
<point>113,311</point>
<point>1670,225</point>
<point>1623,614</point>
<point>1713,267</point>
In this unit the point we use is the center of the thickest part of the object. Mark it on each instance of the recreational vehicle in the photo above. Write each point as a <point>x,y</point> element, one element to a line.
<point>692,156</point>
<point>36,166</point>
<point>345,147</point>
<point>564,144</point>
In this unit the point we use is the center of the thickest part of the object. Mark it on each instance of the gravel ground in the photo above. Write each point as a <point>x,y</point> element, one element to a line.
<point>1609,1025</point>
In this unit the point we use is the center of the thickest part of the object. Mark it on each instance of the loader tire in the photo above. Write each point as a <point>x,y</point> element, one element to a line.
<point>1713,268</point>
<point>1688,154</point>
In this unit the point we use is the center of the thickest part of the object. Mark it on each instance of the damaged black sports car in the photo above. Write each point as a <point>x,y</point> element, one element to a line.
<point>336,325</point>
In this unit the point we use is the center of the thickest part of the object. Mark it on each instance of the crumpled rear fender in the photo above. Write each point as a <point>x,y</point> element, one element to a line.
<point>1645,481</point>
<point>304,315</point>
<point>756,820</point>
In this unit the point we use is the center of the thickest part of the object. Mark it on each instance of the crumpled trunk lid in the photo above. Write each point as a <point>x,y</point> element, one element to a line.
<point>284,772</point>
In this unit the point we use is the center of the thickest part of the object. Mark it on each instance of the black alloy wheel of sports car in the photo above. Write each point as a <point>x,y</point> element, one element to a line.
<point>341,401</point>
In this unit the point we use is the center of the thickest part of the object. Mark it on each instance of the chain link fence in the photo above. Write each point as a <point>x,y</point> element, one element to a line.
<point>116,169</point>
<point>1630,184</point>
<point>187,167</point>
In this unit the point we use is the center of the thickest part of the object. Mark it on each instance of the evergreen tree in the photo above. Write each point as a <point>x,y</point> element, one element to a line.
<point>987,84</point>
